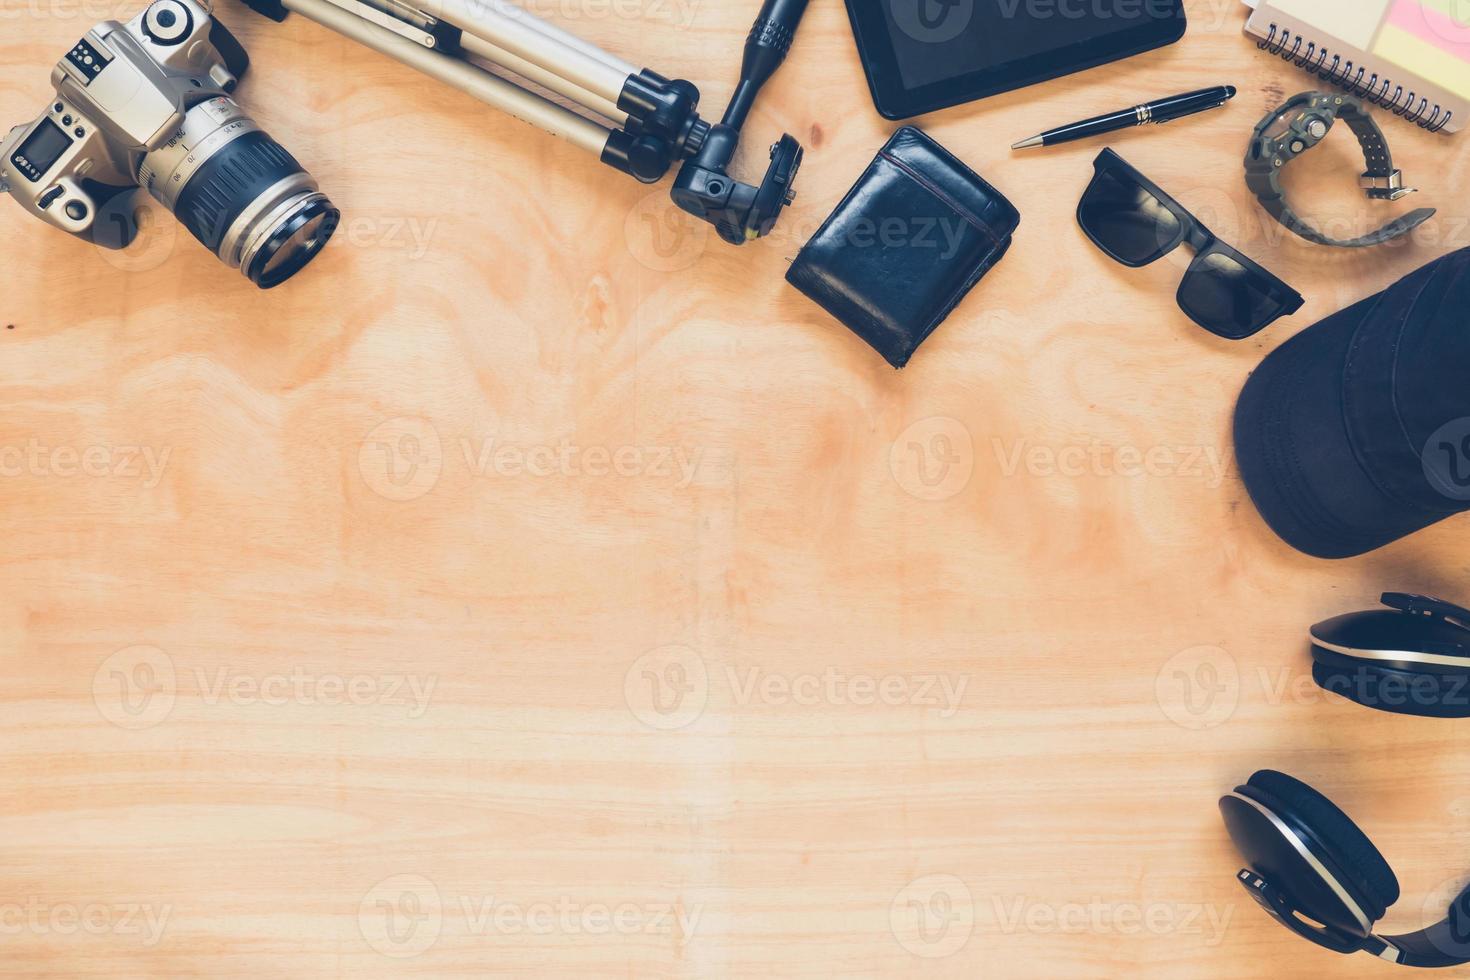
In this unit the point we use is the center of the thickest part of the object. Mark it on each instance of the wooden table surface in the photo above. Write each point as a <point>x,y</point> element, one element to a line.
<point>538,585</point>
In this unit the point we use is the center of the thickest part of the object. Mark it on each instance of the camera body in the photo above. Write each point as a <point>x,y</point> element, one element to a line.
<point>147,104</point>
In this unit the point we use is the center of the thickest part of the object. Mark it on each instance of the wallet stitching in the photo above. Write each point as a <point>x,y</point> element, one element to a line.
<point>943,196</point>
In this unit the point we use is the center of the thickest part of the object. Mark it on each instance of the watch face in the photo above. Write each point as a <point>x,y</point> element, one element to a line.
<point>1279,127</point>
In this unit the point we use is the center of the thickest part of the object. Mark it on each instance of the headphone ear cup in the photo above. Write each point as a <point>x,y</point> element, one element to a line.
<point>1351,852</point>
<point>1402,692</point>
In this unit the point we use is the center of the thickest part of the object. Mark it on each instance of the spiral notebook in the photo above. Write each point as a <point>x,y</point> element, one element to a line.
<point>1409,56</point>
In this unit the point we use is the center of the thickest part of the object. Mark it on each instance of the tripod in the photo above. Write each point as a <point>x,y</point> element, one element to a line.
<point>634,119</point>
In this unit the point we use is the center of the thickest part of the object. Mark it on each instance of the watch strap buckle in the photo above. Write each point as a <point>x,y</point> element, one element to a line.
<point>1386,187</point>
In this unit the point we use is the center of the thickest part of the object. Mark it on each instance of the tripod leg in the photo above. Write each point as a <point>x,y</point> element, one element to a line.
<point>547,79</point>
<point>567,38</point>
<point>473,81</point>
<point>540,44</point>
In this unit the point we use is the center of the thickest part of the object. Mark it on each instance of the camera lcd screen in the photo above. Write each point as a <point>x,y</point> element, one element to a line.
<point>43,148</point>
<point>921,55</point>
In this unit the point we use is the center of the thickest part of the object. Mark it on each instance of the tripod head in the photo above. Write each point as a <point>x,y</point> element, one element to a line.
<point>704,188</point>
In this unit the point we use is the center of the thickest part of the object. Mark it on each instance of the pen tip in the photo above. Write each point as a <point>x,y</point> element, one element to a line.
<point>1230,91</point>
<point>1033,141</point>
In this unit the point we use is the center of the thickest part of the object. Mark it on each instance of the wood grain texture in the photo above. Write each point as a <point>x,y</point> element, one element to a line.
<point>537,585</point>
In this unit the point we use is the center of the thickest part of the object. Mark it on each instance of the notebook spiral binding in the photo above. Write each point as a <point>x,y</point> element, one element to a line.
<point>1310,57</point>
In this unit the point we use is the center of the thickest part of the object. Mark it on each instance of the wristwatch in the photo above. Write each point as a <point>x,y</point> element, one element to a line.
<point>1302,123</point>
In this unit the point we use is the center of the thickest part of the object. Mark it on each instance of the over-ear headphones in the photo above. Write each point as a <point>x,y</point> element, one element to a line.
<point>1317,874</point>
<point>1412,658</point>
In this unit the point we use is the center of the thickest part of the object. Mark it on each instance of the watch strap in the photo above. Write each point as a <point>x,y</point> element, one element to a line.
<point>1282,212</point>
<point>1376,154</point>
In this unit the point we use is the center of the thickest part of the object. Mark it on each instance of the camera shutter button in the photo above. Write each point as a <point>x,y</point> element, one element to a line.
<point>76,210</point>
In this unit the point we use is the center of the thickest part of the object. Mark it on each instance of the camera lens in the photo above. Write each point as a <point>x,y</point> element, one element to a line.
<point>240,193</point>
<point>292,242</point>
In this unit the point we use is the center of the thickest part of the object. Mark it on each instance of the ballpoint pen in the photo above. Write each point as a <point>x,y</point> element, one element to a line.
<point>1162,111</point>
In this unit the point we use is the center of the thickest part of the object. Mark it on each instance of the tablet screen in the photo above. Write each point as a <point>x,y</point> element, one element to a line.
<point>940,40</point>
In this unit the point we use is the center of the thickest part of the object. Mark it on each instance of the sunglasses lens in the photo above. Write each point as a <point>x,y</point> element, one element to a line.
<point>1127,221</point>
<point>1226,298</point>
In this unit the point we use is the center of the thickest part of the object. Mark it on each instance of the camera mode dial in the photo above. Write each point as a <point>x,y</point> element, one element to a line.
<point>167,22</point>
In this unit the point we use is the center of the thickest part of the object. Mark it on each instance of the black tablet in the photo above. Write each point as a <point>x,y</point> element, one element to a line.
<point>922,55</point>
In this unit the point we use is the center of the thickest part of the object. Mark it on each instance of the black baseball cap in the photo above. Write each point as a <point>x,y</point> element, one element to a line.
<point>1356,432</point>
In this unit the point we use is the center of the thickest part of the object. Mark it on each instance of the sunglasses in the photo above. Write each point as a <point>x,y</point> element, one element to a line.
<point>1128,217</point>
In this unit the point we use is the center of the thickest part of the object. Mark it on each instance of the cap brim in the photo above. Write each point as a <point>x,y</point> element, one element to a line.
<point>1297,459</point>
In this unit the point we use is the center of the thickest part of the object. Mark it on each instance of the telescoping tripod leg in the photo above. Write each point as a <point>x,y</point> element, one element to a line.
<point>473,81</point>
<point>650,121</point>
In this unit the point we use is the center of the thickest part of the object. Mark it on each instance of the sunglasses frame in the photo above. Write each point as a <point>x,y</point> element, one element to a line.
<point>1203,241</point>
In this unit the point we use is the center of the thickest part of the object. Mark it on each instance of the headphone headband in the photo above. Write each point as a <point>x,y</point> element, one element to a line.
<point>1444,944</point>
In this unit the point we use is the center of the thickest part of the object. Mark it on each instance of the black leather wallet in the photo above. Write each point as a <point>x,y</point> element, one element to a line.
<point>906,244</point>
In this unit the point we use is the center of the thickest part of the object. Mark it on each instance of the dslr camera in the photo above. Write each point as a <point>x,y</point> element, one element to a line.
<point>147,104</point>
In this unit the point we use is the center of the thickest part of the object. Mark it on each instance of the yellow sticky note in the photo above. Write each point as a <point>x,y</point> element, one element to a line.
<point>1353,22</point>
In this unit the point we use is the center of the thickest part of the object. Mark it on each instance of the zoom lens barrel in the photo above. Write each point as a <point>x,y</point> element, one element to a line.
<point>240,193</point>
